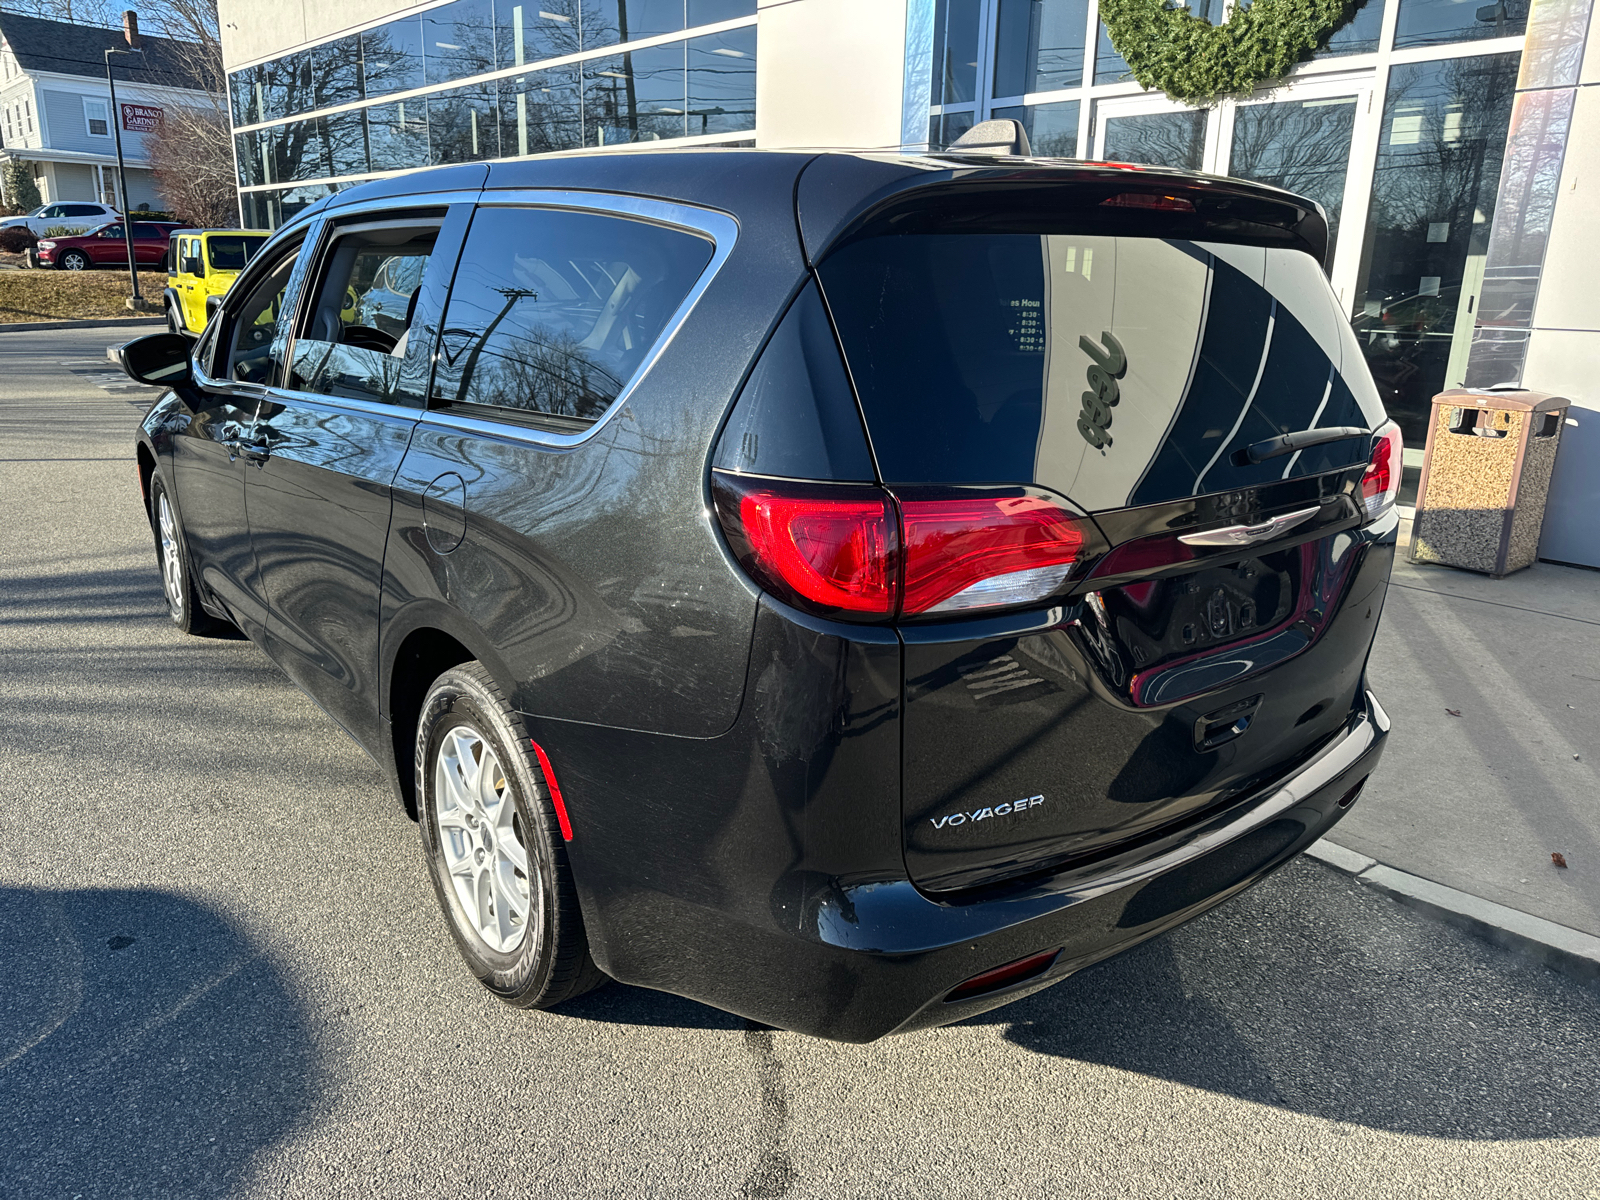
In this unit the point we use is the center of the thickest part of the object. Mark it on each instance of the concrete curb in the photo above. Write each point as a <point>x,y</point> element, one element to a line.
<point>100,323</point>
<point>1569,951</point>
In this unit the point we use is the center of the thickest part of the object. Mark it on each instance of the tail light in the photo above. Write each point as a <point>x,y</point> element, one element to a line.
<point>856,551</point>
<point>1381,483</point>
<point>971,552</point>
<point>832,548</point>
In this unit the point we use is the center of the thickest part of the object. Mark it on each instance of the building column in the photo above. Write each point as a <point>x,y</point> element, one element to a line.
<point>1538,314</point>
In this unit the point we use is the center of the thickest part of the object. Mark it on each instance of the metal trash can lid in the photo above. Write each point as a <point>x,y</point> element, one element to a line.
<point>1506,399</point>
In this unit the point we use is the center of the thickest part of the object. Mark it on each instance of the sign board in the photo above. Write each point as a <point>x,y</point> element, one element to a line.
<point>142,118</point>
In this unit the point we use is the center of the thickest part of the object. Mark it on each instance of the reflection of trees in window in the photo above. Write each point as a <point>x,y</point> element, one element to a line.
<point>1301,146</point>
<point>463,124</point>
<point>1160,139</point>
<point>1444,132</point>
<point>542,370</point>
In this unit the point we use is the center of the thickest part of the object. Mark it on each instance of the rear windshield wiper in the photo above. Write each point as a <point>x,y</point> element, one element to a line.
<point>1288,443</point>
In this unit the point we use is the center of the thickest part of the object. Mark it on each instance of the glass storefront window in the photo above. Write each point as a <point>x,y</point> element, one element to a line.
<point>268,210</point>
<point>1052,128</point>
<point>527,33</point>
<point>607,22</point>
<point>1434,22</point>
<point>464,124</point>
<point>637,96</point>
<point>457,40</point>
<point>722,82</point>
<point>540,113</point>
<point>391,57</point>
<point>1174,139</point>
<point>955,52</point>
<point>704,12</point>
<point>1109,66</point>
<point>1039,46</point>
<point>1358,35</point>
<point>1300,145</point>
<point>396,135</point>
<point>942,131</point>
<point>1433,197</point>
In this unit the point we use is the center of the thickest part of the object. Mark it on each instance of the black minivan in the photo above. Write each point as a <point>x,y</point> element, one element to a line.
<point>852,590</point>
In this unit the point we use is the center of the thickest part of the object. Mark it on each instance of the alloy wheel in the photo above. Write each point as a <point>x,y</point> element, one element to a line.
<point>171,554</point>
<point>483,842</point>
<point>75,262</point>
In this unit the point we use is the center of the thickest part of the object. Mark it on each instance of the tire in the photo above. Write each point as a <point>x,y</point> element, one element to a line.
<point>174,324</point>
<point>492,849</point>
<point>172,559</point>
<point>74,260</point>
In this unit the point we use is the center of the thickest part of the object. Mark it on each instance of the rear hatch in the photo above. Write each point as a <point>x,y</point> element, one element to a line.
<point>1128,355</point>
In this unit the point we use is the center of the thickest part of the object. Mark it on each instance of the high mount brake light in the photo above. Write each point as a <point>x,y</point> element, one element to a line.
<point>971,552</point>
<point>1381,483</point>
<point>856,552</point>
<point>1147,200</point>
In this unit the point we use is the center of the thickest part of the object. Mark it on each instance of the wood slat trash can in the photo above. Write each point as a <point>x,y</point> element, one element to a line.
<point>1485,476</point>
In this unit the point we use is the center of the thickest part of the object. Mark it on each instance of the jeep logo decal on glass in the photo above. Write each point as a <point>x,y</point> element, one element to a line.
<point>1107,367</point>
<point>983,814</point>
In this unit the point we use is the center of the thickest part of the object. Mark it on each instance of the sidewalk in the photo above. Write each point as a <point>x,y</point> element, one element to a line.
<point>1478,802</point>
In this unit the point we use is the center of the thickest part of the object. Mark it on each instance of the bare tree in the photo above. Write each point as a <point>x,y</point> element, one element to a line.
<point>192,157</point>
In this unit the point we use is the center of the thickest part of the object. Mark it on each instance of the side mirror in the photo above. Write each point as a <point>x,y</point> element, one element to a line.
<point>193,266</point>
<point>212,304</point>
<point>161,360</point>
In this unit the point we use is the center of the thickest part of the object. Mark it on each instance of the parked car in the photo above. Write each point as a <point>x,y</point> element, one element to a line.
<point>850,590</point>
<point>202,263</point>
<point>76,216</point>
<point>107,247</point>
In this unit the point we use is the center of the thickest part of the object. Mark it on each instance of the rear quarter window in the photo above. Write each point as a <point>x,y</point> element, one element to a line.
<point>553,312</point>
<point>1114,370</point>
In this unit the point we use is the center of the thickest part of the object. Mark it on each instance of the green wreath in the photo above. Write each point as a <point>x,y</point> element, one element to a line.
<point>1194,61</point>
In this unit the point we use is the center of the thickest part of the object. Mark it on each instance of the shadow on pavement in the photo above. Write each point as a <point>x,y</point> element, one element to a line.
<point>1338,1004</point>
<point>620,1004</point>
<point>146,1047</point>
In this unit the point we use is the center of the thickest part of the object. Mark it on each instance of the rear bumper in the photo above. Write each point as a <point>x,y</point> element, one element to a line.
<point>855,957</point>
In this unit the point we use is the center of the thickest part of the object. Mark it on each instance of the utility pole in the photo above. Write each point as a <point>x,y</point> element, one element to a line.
<point>130,31</point>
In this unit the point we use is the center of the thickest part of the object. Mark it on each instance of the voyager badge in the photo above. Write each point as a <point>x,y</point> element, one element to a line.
<point>983,814</point>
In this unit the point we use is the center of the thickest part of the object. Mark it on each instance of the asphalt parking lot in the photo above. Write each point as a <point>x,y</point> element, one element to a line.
<point>222,971</point>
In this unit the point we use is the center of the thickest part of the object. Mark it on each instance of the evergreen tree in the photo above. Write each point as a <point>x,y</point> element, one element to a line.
<point>21,191</point>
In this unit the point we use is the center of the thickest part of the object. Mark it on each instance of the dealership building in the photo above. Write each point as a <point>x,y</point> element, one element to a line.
<point>1454,144</point>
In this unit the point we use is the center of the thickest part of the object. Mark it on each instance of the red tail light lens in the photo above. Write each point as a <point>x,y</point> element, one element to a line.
<point>1381,484</point>
<point>829,547</point>
<point>854,551</point>
<point>985,551</point>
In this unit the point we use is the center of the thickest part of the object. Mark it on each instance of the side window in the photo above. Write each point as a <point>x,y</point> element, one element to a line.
<point>252,335</point>
<point>111,231</point>
<point>82,210</point>
<point>358,327</point>
<point>552,312</point>
<point>54,212</point>
<point>227,253</point>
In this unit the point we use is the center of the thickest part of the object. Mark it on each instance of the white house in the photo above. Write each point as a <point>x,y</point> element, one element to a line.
<point>55,107</point>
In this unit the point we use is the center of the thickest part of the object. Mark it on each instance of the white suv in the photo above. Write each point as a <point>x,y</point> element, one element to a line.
<point>78,217</point>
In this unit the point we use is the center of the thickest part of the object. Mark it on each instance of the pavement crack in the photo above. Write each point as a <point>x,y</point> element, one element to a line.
<point>773,1175</point>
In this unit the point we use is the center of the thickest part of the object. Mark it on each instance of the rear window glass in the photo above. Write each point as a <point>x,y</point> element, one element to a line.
<point>1115,370</point>
<point>231,253</point>
<point>552,312</point>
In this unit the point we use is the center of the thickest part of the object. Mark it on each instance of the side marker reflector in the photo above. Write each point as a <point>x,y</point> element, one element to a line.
<point>1009,975</point>
<point>555,791</point>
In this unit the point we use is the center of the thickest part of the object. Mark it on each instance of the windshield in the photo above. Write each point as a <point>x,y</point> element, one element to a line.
<point>231,252</point>
<point>1113,370</point>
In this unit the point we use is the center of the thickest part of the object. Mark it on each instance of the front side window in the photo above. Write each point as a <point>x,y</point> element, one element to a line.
<point>553,312</point>
<point>357,331</point>
<point>254,349</point>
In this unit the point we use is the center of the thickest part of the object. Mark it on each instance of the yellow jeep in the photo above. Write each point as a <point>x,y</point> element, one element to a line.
<point>204,263</point>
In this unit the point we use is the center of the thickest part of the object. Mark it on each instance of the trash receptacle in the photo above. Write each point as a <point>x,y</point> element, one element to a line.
<point>1485,475</point>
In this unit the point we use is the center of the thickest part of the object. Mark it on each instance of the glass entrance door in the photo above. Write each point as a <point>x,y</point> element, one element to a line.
<point>1152,131</point>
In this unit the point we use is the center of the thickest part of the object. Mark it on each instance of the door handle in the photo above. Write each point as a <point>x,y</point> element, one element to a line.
<point>257,450</point>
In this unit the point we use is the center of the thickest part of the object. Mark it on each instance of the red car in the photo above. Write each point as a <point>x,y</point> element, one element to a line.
<point>105,247</point>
